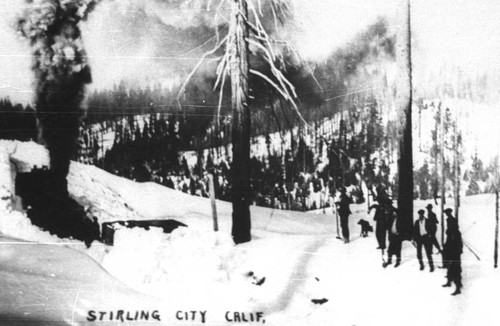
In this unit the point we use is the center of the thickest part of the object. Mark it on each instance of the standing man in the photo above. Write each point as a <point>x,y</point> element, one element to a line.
<point>380,219</point>
<point>432,218</point>
<point>452,250</point>
<point>344,212</point>
<point>449,216</point>
<point>381,216</point>
<point>395,239</point>
<point>421,238</point>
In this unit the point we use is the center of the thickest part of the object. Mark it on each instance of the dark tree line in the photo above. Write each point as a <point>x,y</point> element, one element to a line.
<point>17,121</point>
<point>149,148</point>
<point>137,151</point>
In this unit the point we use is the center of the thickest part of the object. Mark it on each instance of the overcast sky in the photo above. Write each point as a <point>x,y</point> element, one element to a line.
<point>123,36</point>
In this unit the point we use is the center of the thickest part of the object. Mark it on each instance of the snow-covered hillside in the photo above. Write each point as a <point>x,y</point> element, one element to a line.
<point>294,258</point>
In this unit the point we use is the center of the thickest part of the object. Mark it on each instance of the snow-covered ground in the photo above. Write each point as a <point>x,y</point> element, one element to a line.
<point>293,259</point>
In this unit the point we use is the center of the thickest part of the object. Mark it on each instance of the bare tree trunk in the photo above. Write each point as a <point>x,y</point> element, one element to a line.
<point>340,147</point>
<point>283,160</point>
<point>419,128</point>
<point>495,253</point>
<point>281,132</point>
<point>443,177</point>
<point>457,170</point>
<point>211,189</point>
<point>241,123</point>
<point>405,163</point>
<point>303,149</point>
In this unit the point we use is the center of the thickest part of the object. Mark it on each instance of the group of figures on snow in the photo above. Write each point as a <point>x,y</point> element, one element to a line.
<point>423,235</point>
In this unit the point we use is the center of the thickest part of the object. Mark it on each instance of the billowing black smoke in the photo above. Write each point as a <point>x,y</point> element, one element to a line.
<point>61,73</point>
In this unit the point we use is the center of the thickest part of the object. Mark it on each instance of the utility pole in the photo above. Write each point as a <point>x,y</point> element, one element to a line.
<point>240,168</point>
<point>102,147</point>
<point>443,177</point>
<point>456,144</point>
<point>303,149</point>
<point>211,189</point>
<point>420,128</point>
<point>340,146</point>
<point>405,163</point>
<point>495,254</point>
<point>496,176</point>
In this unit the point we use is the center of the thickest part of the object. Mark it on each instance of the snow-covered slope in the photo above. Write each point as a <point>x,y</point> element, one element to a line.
<point>100,193</point>
<point>55,285</point>
<point>293,259</point>
<point>114,198</point>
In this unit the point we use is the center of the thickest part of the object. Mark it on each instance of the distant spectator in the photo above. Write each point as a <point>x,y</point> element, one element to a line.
<point>422,238</point>
<point>452,251</point>
<point>344,212</point>
<point>380,219</point>
<point>395,239</point>
<point>431,216</point>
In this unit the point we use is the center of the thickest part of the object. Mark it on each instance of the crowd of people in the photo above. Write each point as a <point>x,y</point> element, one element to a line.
<point>308,191</point>
<point>423,237</point>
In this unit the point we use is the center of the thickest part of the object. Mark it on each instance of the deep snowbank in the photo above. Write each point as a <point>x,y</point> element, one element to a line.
<point>12,222</point>
<point>293,259</point>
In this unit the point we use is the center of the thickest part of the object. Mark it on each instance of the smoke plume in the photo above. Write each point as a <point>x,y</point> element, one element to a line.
<point>61,73</point>
<point>158,40</point>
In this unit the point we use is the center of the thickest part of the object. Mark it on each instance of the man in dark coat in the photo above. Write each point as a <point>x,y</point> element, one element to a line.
<point>452,250</point>
<point>449,216</point>
<point>380,219</point>
<point>432,218</point>
<point>395,239</point>
<point>344,212</point>
<point>421,237</point>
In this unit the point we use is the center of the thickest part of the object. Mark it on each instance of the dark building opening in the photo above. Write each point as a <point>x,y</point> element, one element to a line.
<point>53,210</point>
<point>61,215</point>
